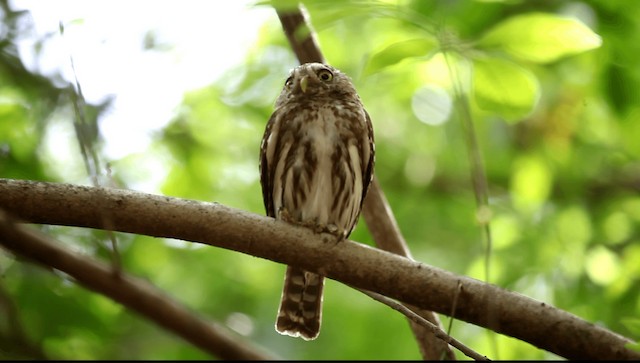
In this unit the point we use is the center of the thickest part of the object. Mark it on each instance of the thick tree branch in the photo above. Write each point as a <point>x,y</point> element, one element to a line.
<point>355,264</point>
<point>132,292</point>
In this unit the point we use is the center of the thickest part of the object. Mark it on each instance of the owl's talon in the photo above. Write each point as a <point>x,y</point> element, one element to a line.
<point>284,215</point>
<point>332,228</point>
<point>338,234</point>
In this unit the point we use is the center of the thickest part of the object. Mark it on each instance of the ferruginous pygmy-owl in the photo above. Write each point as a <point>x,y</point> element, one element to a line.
<point>316,164</point>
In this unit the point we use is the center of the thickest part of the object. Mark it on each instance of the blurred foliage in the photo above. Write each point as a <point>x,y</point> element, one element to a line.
<point>553,94</point>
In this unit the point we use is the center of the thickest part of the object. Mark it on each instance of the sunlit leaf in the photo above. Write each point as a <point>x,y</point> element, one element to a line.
<point>504,87</point>
<point>602,265</point>
<point>431,105</point>
<point>573,226</point>
<point>279,4</point>
<point>541,37</point>
<point>419,47</point>
<point>530,183</point>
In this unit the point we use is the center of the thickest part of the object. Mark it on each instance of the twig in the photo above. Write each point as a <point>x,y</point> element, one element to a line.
<point>437,332</point>
<point>132,292</point>
<point>87,134</point>
<point>454,306</point>
<point>478,172</point>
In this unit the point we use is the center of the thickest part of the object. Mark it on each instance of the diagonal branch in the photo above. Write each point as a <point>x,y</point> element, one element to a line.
<point>352,263</point>
<point>127,290</point>
<point>427,324</point>
<point>376,211</point>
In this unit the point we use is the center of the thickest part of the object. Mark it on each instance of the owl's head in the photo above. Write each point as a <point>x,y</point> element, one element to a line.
<point>316,81</point>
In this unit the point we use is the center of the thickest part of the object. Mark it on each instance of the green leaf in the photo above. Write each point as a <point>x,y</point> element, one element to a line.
<point>396,52</point>
<point>504,87</point>
<point>530,186</point>
<point>541,37</point>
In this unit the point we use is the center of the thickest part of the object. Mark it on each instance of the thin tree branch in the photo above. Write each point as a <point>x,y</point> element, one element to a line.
<point>352,263</point>
<point>132,292</point>
<point>377,212</point>
<point>301,37</point>
<point>439,333</point>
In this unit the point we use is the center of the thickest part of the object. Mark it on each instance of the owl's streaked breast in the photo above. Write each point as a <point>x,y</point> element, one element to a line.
<point>316,182</point>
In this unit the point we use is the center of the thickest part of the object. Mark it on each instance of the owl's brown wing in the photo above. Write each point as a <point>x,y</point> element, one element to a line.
<point>265,174</point>
<point>367,177</point>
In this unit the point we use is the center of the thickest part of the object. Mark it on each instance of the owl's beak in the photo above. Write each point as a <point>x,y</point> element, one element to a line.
<point>304,82</point>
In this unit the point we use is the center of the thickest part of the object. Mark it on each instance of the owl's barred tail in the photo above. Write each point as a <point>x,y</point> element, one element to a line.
<point>300,311</point>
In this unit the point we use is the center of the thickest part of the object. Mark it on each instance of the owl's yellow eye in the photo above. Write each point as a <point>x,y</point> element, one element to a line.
<point>325,75</point>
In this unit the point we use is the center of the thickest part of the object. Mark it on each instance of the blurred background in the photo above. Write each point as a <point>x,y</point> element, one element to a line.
<point>173,98</point>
